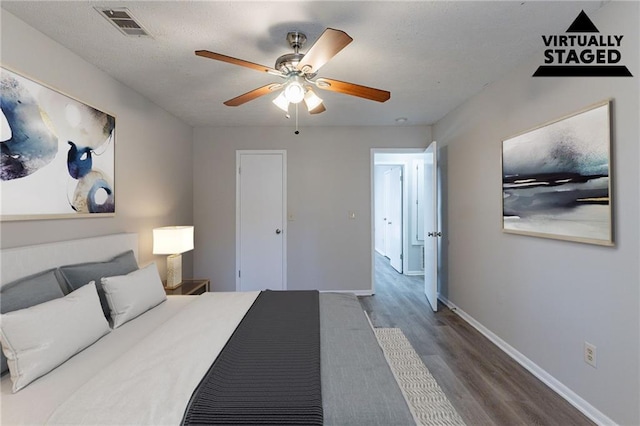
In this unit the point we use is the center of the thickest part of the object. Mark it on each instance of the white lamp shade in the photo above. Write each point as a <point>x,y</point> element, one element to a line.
<point>312,100</point>
<point>172,239</point>
<point>282,102</point>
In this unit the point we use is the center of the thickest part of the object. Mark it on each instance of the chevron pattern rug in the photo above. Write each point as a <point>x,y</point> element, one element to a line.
<point>427,402</point>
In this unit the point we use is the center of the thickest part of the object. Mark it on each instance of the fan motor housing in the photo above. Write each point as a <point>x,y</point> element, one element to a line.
<point>288,62</point>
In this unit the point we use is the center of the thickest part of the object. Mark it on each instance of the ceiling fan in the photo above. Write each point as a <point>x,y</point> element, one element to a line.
<point>299,71</point>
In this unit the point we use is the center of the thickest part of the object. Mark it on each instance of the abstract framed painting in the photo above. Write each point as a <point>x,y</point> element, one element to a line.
<point>58,153</point>
<point>556,179</point>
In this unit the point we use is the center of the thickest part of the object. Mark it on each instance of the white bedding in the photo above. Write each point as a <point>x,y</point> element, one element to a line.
<point>151,364</point>
<point>160,356</point>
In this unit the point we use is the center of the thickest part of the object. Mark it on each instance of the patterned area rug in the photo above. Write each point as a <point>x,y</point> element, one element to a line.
<point>427,402</point>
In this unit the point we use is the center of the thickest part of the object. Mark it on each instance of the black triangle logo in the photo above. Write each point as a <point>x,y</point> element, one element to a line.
<point>582,24</point>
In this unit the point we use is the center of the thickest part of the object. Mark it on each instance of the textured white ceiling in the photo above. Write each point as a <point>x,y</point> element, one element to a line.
<point>431,56</point>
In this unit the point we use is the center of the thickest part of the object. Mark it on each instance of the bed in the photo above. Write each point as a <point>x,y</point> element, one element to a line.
<point>147,368</point>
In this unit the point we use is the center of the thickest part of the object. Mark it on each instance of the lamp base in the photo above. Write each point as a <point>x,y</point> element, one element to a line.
<point>174,270</point>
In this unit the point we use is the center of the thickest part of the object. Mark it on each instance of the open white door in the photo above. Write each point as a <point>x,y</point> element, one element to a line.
<point>431,225</point>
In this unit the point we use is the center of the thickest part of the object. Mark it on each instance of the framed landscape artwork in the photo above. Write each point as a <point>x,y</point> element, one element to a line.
<point>58,154</point>
<point>556,179</point>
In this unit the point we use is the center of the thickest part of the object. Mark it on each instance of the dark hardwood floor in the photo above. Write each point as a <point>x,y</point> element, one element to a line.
<point>483,383</point>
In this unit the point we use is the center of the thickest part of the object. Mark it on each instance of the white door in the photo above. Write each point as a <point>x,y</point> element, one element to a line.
<point>260,220</point>
<point>394,218</point>
<point>431,230</point>
<point>384,224</point>
<point>379,210</point>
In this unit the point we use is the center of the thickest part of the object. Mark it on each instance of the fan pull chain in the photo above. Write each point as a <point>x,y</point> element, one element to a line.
<point>297,132</point>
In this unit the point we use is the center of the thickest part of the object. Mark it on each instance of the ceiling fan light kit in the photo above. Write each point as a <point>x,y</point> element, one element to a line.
<point>299,72</point>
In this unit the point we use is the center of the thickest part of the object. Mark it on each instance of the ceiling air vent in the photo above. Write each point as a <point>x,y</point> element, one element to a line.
<point>122,19</point>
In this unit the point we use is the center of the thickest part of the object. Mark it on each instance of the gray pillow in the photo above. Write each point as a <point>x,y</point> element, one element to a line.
<point>27,292</point>
<point>81,274</point>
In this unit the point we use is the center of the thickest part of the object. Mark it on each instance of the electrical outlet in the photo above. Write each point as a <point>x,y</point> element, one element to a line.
<point>590,354</point>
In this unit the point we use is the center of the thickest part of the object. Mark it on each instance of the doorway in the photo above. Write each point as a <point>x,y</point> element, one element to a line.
<point>395,178</point>
<point>421,225</point>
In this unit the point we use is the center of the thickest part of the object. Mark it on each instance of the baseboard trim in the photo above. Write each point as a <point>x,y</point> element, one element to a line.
<point>356,292</point>
<point>554,384</point>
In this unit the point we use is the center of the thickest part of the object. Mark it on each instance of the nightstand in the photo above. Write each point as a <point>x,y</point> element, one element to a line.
<point>194,286</point>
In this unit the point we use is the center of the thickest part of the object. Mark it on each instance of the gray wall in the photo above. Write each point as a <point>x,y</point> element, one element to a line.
<point>328,175</point>
<point>153,179</point>
<point>546,297</point>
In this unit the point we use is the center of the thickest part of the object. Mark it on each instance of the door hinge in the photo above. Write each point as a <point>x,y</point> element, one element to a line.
<point>238,273</point>
<point>401,256</point>
<point>238,170</point>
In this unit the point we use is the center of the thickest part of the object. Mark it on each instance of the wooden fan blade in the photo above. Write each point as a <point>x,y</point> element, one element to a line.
<point>326,47</point>
<point>235,61</point>
<point>353,89</point>
<point>249,96</point>
<point>317,110</point>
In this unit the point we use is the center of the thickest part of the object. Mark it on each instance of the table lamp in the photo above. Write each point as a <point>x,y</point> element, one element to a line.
<point>173,240</point>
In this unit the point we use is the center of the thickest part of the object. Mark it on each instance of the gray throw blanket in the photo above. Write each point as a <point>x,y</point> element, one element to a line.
<point>269,371</point>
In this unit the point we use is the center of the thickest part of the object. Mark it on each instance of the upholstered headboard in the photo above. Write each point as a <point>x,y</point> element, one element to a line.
<point>23,261</point>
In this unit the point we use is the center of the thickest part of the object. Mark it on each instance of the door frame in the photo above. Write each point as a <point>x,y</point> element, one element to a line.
<point>282,152</point>
<point>405,195</point>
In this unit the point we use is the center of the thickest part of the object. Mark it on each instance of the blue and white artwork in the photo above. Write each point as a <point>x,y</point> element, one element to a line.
<point>57,156</point>
<point>556,179</point>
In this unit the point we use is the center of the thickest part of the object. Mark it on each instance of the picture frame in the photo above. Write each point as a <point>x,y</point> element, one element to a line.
<point>58,153</point>
<point>556,179</point>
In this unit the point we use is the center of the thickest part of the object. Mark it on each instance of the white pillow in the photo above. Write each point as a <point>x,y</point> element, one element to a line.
<point>133,294</point>
<point>36,340</point>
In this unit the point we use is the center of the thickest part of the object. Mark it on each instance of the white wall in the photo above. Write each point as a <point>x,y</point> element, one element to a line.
<point>328,174</point>
<point>546,297</point>
<point>153,179</point>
